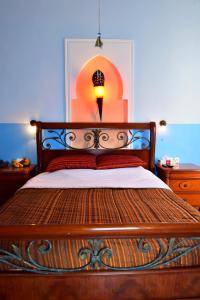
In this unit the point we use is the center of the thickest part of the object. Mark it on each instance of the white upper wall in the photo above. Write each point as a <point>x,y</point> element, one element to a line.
<point>166,35</point>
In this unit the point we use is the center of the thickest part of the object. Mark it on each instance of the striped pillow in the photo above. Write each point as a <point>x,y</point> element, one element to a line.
<point>72,161</point>
<point>112,161</point>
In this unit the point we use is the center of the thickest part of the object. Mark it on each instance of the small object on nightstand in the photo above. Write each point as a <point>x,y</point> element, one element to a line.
<point>11,179</point>
<point>21,162</point>
<point>184,180</point>
<point>3,163</point>
<point>171,162</point>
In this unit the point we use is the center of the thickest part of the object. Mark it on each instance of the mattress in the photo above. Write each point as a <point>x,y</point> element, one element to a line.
<point>98,206</point>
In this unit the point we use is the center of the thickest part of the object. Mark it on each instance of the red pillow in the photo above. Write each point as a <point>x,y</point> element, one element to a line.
<point>72,161</point>
<point>112,161</point>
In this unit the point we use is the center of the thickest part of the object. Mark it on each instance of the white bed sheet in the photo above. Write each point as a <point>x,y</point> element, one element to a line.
<point>137,177</point>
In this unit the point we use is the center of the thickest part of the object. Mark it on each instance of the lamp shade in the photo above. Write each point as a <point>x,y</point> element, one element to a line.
<point>98,78</point>
<point>98,82</point>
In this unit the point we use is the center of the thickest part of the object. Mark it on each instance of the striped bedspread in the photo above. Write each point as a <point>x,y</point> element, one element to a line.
<point>98,206</point>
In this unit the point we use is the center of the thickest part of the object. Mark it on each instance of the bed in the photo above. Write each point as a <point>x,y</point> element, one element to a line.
<point>98,234</point>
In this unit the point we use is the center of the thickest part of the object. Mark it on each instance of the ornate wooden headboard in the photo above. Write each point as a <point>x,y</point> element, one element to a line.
<point>56,139</point>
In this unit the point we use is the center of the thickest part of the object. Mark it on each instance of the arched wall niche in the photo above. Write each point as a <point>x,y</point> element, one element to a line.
<point>115,60</point>
<point>84,107</point>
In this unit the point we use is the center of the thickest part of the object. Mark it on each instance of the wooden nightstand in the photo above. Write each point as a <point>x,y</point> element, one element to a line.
<point>184,181</point>
<point>12,179</point>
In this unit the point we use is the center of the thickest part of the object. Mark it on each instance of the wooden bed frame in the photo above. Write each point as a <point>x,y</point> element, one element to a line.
<point>147,283</point>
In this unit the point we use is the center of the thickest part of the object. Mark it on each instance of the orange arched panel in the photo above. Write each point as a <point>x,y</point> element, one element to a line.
<point>84,107</point>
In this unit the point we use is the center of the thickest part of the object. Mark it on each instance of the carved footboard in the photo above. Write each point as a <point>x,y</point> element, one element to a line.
<point>170,250</point>
<point>62,249</point>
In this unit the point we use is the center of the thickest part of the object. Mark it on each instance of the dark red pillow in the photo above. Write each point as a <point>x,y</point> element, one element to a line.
<point>112,161</point>
<point>72,161</point>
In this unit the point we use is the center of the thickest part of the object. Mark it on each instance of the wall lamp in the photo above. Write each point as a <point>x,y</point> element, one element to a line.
<point>33,123</point>
<point>163,123</point>
<point>32,129</point>
<point>33,126</point>
<point>98,82</point>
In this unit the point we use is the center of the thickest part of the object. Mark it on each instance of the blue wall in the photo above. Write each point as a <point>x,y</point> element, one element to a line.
<point>16,141</point>
<point>166,65</point>
<point>180,140</point>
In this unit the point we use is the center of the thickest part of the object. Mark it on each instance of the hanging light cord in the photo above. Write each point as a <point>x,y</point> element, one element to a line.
<point>99,42</point>
<point>99,16</point>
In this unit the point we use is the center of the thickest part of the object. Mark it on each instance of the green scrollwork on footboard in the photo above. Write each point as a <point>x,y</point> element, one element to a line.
<point>96,254</point>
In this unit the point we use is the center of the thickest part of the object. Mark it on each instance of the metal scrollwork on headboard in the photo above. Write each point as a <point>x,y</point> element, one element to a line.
<point>95,139</point>
<point>58,138</point>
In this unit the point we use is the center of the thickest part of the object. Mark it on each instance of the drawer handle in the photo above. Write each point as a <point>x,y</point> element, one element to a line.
<point>184,185</point>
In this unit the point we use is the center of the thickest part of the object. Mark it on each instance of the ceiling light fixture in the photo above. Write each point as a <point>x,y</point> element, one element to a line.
<point>99,42</point>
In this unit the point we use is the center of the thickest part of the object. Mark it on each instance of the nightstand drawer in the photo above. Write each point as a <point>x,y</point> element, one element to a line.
<point>184,181</point>
<point>185,185</point>
<point>193,199</point>
<point>11,179</point>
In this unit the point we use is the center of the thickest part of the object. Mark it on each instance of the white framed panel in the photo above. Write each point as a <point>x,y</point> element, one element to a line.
<point>79,51</point>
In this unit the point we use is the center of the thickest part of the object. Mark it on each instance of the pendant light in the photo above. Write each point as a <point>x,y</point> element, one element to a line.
<point>99,42</point>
